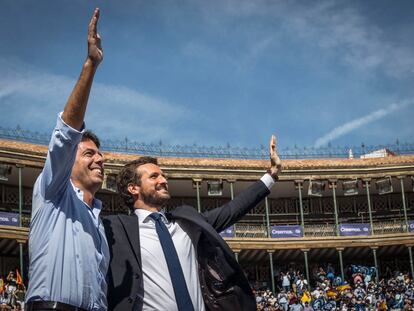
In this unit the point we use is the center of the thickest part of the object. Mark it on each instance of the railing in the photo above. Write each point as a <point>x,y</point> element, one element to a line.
<point>319,230</point>
<point>389,227</point>
<point>228,151</point>
<point>251,231</point>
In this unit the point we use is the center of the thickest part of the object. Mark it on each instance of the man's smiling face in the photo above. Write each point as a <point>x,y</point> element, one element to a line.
<point>153,185</point>
<point>88,169</point>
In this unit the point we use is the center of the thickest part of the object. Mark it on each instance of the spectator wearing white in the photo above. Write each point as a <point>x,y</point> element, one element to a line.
<point>285,281</point>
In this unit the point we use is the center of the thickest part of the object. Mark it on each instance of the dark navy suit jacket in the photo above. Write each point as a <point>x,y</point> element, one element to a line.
<point>222,280</point>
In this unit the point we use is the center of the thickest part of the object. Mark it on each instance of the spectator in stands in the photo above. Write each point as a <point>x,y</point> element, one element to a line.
<point>395,293</point>
<point>20,295</point>
<point>11,282</point>
<point>285,278</point>
<point>283,300</point>
<point>68,250</point>
<point>301,284</point>
<point>321,275</point>
<point>294,305</point>
<point>307,307</point>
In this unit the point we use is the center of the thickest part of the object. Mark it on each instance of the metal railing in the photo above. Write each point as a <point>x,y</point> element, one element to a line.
<point>251,231</point>
<point>228,151</point>
<point>319,230</point>
<point>389,227</point>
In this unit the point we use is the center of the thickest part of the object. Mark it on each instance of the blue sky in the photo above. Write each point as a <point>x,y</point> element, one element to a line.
<point>216,72</point>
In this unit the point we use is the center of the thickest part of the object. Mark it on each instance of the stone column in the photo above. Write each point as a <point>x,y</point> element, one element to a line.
<point>272,278</point>
<point>332,185</point>
<point>299,187</point>
<point>366,185</point>
<point>341,262</point>
<point>20,168</point>
<point>401,178</point>
<point>197,186</point>
<point>305,255</point>
<point>267,218</point>
<point>410,254</point>
<point>374,254</point>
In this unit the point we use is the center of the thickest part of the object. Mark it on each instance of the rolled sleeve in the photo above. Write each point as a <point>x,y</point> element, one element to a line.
<point>60,158</point>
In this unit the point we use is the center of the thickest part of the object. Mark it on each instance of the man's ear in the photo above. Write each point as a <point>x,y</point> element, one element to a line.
<point>134,189</point>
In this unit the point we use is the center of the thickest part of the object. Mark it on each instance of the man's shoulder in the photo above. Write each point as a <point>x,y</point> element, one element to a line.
<point>185,212</point>
<point>116,224</point>
<point>108,219</point>
<point>119,219</point>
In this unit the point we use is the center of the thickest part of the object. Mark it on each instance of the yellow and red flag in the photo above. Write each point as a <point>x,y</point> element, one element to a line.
<point>19,279</point>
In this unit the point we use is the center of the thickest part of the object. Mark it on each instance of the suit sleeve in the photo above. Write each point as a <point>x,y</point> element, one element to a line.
<point>222,217</point>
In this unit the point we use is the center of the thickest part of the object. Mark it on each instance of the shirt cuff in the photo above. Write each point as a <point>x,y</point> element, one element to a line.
<point>268,180</point>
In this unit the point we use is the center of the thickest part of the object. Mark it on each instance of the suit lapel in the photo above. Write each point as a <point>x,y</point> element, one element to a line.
<point>130,224</point>
<point>194,224</point>
<point>191,221</point>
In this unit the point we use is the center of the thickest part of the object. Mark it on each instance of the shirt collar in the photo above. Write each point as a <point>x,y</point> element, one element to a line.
<point>143,214</point>
<point>96,203</point>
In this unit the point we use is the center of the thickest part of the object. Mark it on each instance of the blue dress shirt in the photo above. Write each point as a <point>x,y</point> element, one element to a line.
<point>68,251</point>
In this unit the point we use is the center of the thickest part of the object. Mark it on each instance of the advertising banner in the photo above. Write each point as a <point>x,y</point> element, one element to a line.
<point>354,229</point>
<point>9,219</point>
<point>411,226</point>
<point>228,233</point>
<point>290,231</point>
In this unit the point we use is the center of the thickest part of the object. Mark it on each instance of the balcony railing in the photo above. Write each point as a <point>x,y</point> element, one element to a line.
<point>319,230</point>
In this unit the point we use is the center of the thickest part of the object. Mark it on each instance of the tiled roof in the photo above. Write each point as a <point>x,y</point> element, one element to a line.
<point>33,149</point>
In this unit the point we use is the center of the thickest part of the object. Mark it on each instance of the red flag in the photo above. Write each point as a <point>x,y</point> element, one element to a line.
<point>19,280</point>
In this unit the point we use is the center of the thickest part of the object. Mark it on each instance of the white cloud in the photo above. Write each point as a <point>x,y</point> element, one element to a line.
<point>333,28</point>
<point>31,97</point>
<point>359,122</point>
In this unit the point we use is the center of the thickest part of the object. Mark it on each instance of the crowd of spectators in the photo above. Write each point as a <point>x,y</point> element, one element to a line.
<point>360,291</point>
<point>12,292</point>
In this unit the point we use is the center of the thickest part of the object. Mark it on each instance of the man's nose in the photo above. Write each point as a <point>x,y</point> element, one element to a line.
<point>98,158</point>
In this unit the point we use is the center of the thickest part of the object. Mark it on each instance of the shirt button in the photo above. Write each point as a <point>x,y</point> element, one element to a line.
<point>136,275</point>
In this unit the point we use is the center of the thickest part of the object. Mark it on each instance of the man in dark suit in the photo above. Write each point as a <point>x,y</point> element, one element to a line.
<point>178,260</point>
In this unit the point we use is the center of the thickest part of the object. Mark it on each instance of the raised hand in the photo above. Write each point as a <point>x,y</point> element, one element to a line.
<point>275,163</point>
<point>95,52</point>
<point>74,112</point>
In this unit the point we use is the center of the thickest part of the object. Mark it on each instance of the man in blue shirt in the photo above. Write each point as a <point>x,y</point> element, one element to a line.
<point>67,246</point>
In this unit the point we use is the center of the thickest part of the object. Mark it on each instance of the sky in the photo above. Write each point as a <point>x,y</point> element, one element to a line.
<point>217,72</point>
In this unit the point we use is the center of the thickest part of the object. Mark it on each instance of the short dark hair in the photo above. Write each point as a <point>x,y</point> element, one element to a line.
<point>128,175</point>
<point>89,135</point>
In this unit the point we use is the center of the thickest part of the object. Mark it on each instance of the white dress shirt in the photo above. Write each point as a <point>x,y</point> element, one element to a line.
<point>158,290</point>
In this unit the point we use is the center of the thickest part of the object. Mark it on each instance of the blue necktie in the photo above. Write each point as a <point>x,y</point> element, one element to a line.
<point>174,267</point>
